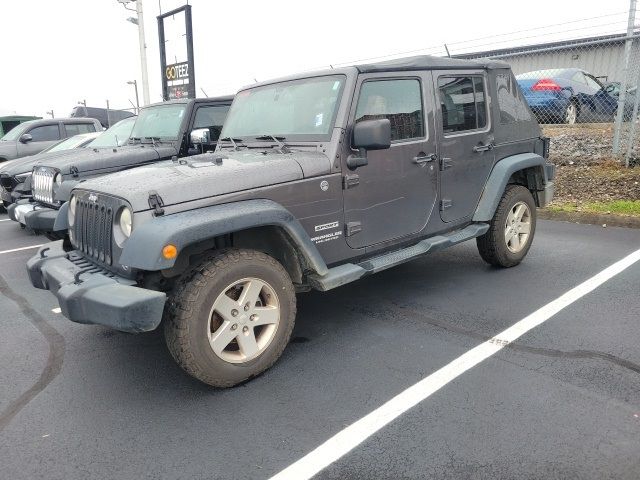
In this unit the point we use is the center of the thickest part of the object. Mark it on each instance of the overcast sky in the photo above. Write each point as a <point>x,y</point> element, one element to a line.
<point>57,52</point>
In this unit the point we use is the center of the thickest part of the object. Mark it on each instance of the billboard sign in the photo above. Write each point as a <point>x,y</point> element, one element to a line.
<point>175,33</point>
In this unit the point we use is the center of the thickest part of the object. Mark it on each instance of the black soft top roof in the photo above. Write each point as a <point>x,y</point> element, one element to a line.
<point>428,62</point>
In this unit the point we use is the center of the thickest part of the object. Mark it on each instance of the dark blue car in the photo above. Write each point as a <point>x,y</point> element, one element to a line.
<point>570,95</point>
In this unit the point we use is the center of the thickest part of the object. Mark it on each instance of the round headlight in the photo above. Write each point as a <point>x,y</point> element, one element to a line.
<point>71,212</point>
<point>57,179</point>
<point>125,221</point>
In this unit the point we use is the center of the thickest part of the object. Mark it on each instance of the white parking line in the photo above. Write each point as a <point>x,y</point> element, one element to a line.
<point>352,436</point>
<point>20,249</point>
<point>5,220</point>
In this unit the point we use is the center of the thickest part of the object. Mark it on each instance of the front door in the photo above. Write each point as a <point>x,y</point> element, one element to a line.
<point>394,195</point>
<point>43,136</point>
<point>466,141</point>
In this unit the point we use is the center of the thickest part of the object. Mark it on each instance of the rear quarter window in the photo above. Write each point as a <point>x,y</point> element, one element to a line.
<point>511,104</point>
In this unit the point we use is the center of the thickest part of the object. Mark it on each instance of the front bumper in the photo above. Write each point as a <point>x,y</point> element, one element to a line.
<point>16,211</point>
<point>88,294</point>
<point>41,219</point>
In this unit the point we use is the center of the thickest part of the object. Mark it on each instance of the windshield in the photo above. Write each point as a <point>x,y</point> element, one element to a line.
<point>67,144</point>
<point>161,121</point>
<point>15,132</point>
<point>297,110</point>
<point>115,136</point>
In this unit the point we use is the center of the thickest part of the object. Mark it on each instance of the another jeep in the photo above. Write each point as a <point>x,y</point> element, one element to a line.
<point>177,128</point>
<point>318,180</point>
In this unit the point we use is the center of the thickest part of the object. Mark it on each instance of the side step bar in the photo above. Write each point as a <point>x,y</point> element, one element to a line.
<point>349,272</point>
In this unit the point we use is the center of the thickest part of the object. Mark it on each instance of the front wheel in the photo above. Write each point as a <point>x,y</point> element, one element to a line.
<point>511,229</point>
<point>230,317</point>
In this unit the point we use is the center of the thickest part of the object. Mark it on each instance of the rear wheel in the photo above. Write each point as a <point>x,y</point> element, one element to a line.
<point>571,113</point>
<point>511,229</point>
<point>230,317</point>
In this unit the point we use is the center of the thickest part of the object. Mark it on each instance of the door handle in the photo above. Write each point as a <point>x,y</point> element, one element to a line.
<point>422,159</point>
<point>483,148</point>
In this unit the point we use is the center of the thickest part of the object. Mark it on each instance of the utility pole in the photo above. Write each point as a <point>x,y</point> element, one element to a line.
<point>143,54</point>
<point>623,81</point>
<point>135,86</point>
<point>139,21</point>
<point>50,112</point>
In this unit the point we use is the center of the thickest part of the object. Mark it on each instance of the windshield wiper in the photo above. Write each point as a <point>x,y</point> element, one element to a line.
<point>283,147</point>
<point>234,142</point>
<point>133,140</point>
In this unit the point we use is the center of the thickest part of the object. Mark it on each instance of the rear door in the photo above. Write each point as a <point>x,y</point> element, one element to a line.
<point>466,141</point>
<point>394,195</point>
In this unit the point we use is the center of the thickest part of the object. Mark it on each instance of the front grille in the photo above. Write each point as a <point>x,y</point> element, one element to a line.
<point>42,184</point>
<point>93,227</point>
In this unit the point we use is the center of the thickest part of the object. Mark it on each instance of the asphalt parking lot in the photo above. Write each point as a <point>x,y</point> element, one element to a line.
<point>562,401</point>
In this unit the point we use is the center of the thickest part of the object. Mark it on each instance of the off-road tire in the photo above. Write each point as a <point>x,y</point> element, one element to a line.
<point>492,245</point>
<point>188,309</point>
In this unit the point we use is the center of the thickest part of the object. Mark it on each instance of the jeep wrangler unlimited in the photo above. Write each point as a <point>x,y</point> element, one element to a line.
<point>161,131</point>
<point>318,180</point>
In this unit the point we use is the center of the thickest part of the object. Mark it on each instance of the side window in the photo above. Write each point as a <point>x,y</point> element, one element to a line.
<point>463,104</point>
<point>211,117</point>
<point>78,128</point>
<point>45,133</point>
<point>510,102</point>
<point>579,78</point>
<point>593,83</point>
<point>398,100</point>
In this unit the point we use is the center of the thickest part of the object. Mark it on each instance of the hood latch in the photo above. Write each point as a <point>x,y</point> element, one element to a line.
<point>155,202</point>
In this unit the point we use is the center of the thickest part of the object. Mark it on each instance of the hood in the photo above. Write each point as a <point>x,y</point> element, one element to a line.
<point>87,160</point>
<point>201,176</point>
<point>26,164</point>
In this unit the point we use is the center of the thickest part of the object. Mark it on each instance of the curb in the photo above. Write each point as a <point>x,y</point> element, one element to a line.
<point>601,219</point>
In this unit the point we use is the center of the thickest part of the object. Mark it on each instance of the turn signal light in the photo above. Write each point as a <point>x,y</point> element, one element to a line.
<point>169,252</point>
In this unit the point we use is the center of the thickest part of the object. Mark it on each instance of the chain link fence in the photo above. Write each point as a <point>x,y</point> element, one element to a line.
<point>583,91</point>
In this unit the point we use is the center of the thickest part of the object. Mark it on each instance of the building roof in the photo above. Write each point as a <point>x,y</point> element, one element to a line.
<point>429,62</point>
<point>617,38</point>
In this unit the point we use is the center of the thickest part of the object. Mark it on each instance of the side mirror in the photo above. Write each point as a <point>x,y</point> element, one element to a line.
<point>369,135</point>
<point>372,134</point>
<point>200,136</point>
<point>25,138</point>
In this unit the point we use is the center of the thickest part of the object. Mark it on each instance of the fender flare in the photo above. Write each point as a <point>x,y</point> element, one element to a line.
<point>143,249</point>
<point>61,222</point>
<point>64,192</point>
<point>498,179</point>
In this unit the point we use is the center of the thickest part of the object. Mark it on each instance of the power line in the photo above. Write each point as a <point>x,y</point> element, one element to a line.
<point>440,48</point>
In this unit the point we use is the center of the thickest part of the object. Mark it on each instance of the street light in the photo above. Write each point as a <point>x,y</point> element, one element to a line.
<point>139,21</point>
<point>135,86</point>
<point>84,104</point>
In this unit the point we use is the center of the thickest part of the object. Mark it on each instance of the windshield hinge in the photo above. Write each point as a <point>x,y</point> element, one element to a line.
<point>351,180</point>
<point>155,202</point>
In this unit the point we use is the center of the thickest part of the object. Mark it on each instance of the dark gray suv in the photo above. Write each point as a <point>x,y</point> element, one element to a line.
<point>318,180</point>
<point>33,136</point>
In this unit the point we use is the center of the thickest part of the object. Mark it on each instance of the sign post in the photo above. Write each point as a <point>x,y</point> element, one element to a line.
<point>178,76</point>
